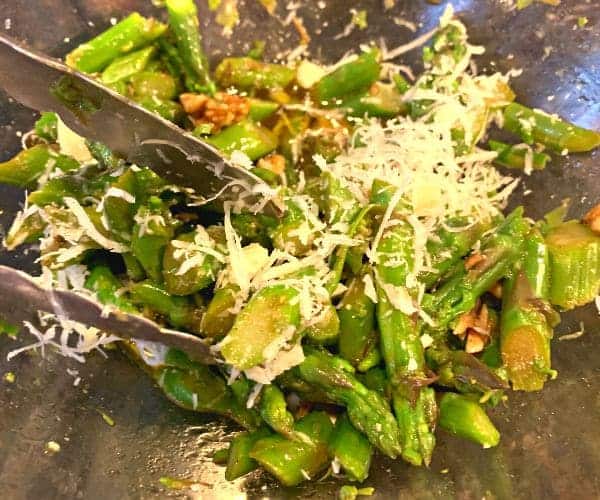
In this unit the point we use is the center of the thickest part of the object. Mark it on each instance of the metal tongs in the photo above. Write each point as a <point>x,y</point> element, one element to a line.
<point>139,136</point>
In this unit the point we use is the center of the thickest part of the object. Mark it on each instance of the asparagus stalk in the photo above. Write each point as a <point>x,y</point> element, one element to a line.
<point>402,350</point>
<point>292,462</point>
<point>536,126</point>
<point>574,264</point>
<point>245,73</point>
<point>351,449</point>
<point>180,276</point>
<point>178,310</point>
<point>245,136</point>
<point>352,77</point>
<point>463,417</point>
<point>196,387</point>
<point>272,314</point>
<point>527,318</point>
<point>218,318</point>
<point>127,65</point>
<point>239,462</point>
<point>30,164</point>
<point>273,410</point>
<point>356,311</point>
<point>514,157</point>
<point>367,411</point>
<point>131,33</point>
<point>45,126</point>
<point>183,20</point>
<point>498,252</point>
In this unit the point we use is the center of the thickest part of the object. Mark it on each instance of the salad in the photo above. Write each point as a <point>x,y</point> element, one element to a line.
<point>393,297</point>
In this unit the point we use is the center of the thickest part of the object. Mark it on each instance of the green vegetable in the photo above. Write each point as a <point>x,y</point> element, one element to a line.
<point>536,126</point>
<point>239,462</point>
<point>528,318</point>
<point>514,157</point>
<point>261,109</point>
<point>353,77</point>
<point>183,21</point>
<point>127,65</point>
<point>107,288</point>
<point>45,126</point>
<point>153,85</point>
<point>463,417</point>
<point>351,448</point>
<point>356,311</point>
<point>401,347</point>
<point>292,462</point>
<point>273,410</point>
<point>574,264</point>
<point>30,164</point>
<point>131,33</point>
<point>179,310</point>
<point>197,388</point>
<point>246,73</point>
<point>218,318</point>
<point>271,314</point>
<point>245,136</point>
<point>366,409</point>
<point>180,276</point>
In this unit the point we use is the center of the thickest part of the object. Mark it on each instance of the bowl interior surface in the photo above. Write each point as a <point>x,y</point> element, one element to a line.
<point>550,446</point>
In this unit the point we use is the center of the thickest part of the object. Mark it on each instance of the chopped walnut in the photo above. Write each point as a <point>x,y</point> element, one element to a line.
<point>475,327</point>
<point>473,260</point>
<point>475,342</point>
<point>220,111</point>
<point>592,219</point>
<point>274,162</point>
<point>496,290</point>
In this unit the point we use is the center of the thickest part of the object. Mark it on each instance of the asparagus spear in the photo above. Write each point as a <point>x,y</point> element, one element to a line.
<point>27,230</point>
<point>292,462</point>
<point>131,33</point>
<point>514,157</point>
<point>498,253</point>
<point>352,77</point>
<point>463,417</point>
<point>402,350</point>
<point>450,246</point>
<point>245,136</point>
<point>45,126</point>
<point>239,462</point>
<point>273,410</point>
<point>127,65</point>
<point>178,310</point>
<point>351,449</point>
<point>528,318</point>
<point>248,74</point>
<point>218,318</point>
<point>356,311</point>
<point>153,85</point>
<point>188,264</point>
<point>196,387</point>
<point>30,164</point>
<point>106,286</point>
<point>327,329</point>
<point>270,318</point>
<point>150,237</point>
<point>367,411</point>
<point>183,20</point>
<point>574,264</point>
<point>536,126</point>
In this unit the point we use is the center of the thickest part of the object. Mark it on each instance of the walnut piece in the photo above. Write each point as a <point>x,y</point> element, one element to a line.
<point>219,111</point>
<point>592,219</point>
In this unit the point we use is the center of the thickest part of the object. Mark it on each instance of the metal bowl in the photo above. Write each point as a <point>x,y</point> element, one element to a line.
<point>550,445</point>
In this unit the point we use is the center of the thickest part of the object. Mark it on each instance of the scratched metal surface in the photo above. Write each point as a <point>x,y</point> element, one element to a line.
<point>550,444</point>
